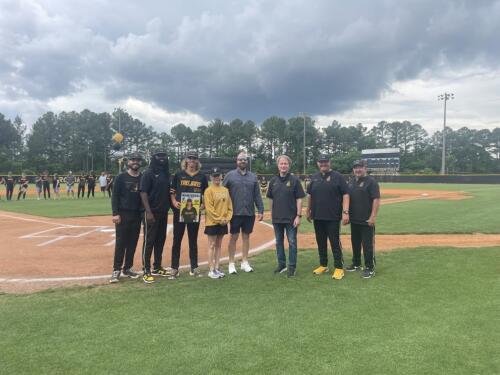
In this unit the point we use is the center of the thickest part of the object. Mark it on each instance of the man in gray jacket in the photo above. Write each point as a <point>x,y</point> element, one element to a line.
<point>245,194</point>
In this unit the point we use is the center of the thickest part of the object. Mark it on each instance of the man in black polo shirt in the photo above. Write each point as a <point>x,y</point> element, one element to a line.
<point>285,192</point>
<point>328,205</point>
<point>126,206</point>
<point>155,191</point>
<point>365,201</point>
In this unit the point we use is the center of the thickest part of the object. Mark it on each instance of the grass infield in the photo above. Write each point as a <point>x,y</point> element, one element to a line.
<point>428,311</point>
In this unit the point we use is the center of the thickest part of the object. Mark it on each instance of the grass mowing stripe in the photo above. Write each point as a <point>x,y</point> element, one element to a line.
<point>428,310</point>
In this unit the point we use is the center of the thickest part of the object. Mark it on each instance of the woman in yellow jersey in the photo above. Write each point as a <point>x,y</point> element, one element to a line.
<point>218,212</point>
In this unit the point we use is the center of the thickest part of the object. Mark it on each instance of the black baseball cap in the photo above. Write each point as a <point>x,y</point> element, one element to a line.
<point>359,163</point>
<point>135,155</point>
<point>324,157</point>
<point>159,150</point>
<point>192,155</point>
<point>215,172</point>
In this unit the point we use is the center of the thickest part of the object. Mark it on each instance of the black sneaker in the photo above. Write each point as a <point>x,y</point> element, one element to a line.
<point>368,273</point>
<point>160,272</point>
<point>353,268</point>
<point>291,272</point>
<point>115,277</point>
<point>130,273</point>
<point>280,269</point>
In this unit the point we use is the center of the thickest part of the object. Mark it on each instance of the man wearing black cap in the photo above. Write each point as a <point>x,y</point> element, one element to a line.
<point>154,189</point>
<point>328,205</point>
<point>365,201</point>
<point>186,191</point>
<point>126,206</point>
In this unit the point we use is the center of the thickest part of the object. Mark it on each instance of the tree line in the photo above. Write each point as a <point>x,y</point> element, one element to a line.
<point>82,141</point>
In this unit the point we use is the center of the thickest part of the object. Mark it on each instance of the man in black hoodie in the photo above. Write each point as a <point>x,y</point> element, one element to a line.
<point>155,196</point>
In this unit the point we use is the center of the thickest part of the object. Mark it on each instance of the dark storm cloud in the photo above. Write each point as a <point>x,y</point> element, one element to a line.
<point>247,59</point>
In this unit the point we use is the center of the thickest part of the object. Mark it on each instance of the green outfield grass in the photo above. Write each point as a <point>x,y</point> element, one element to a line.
<point>481,213</point>
<point>428,311</point>
<point>478,214</point>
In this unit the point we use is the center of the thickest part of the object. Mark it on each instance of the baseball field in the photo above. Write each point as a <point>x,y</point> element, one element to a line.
<point>432,308</point>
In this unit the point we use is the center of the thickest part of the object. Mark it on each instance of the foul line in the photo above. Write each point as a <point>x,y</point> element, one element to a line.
<point>99,277</point>
<point>35,220</point>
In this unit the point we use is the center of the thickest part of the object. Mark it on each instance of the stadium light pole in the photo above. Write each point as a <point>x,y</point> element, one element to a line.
<point>444,97</point>
<point>303,114</point>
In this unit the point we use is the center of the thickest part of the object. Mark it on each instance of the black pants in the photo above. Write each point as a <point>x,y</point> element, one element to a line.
<point>328,230</point>
<point>127,235</point>
<point>46,190</point>
<point>21,193</point>
<point>10,190</point>
<point>363,236</point>
<point>110,190</point>
<point>179,229</point>
<point>91,189</point>
<point>155,235</point>
<point>81,189</point>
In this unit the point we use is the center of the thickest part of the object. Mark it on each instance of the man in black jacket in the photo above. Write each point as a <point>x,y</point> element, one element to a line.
<point>126,206</point>
<point>155,196</point>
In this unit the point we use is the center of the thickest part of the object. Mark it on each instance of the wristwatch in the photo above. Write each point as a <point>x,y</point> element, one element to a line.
<point>345,212</point>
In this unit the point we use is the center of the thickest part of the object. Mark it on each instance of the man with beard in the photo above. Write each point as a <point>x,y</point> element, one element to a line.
<point>155,195</point>
<point>244,189</point>
<point>126,206</point>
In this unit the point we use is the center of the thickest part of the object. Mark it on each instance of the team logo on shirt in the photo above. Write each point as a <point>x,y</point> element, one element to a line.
<point>328,178</point>
<point>288,184</point>
<point>362,184</point>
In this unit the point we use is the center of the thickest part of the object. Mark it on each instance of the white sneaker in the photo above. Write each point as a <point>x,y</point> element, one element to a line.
<point>213,275</point>
<point>219,272</point>
<point>232,269</point>
<point>245,266</point>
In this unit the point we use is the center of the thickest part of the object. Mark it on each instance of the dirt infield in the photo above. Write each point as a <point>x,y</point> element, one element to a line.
<point>39,253</point>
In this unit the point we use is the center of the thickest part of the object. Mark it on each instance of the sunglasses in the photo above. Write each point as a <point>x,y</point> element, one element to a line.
<point>192,158</point>
<point>241,159</point>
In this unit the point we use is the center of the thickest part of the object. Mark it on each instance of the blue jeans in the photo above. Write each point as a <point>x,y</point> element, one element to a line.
<point>291,234</point>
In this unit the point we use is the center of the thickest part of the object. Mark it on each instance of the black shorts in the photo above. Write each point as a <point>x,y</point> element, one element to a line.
<point>216,230</point>
<point>243,224</point>
<point>103,189</point>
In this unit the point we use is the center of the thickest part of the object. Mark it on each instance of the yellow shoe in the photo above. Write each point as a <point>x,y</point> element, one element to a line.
<point>320,270</point>
<point>338,274</point>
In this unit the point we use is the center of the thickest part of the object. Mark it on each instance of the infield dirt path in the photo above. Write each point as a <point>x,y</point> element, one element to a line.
<point>39,253</point>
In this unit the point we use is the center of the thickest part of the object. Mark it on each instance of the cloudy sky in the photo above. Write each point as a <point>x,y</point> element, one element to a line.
<point>191,61</point>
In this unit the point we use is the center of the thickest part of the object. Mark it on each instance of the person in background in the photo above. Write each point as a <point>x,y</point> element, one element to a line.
<point>285,193</point>
<point>70,182</point>
<point>46,185</point>
<point>56,184</point>
<point>91,184</point>
<point>103,183</point>
<point>245,194</point>
<point>126,207</point>
<point>218,213</point>
<point>82,179</point>
<point>109,183</point>
<point>23,187</point>
<point>38,186</point>
<point>364,193</point>
<point>9,185</point>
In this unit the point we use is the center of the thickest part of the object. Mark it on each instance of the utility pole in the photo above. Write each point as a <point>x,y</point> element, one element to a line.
<point>444,97</point>
<point>303,114</point>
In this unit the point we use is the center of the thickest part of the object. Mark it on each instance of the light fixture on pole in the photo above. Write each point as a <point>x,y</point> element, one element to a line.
<point>303,114</point>
<point>444,97</point>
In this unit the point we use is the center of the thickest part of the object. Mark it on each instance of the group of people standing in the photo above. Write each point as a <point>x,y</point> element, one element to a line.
<point>233,200</point>
<point>46,184</point>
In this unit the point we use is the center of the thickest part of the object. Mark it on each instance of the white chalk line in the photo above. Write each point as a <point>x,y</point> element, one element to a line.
<point>35,220</point>
<point>255,250</point>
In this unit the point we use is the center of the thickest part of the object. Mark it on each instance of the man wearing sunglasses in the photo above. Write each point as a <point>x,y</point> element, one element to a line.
<point>155,196</point>
<point>245,195</point>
